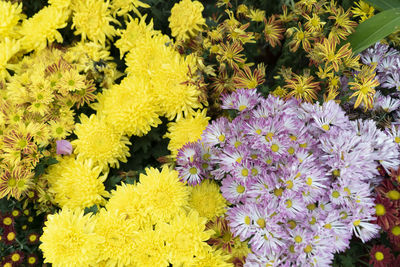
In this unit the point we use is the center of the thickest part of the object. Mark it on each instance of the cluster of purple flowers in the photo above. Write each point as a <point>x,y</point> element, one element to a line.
<point>299,176</point>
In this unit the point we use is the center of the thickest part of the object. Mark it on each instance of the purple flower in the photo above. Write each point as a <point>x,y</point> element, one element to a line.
<point>63,147</point>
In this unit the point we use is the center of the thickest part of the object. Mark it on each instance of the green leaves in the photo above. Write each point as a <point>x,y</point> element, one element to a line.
<point>384,4</point>
<point>375,29</point>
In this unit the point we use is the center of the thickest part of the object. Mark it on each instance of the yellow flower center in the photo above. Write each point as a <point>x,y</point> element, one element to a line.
<point>7,221</point>
<point>193,170</point>
<point>254,171</point>
<point>261,222</point>
<point>325,127</point>
<point>291,150</point>
<point>292,224</point>
<point>308,249</point>
<point>300,35</point>
<point>291,248</point>
<point>335,194</point>
<point>247,220</point>
<point>312,221</point>
<point>397,139</point>
<point>274,148</point>
<point>32,238</point>
<point>289,184</point>
<point>59,130</point>
<point>380,210</point>
<point>328,226</point>
<point>245,172</point>
<point>15,257</point>
<point>396,230</point>
<point>31,260</point>
<point>221,138</point>
<point>311,206</point>
<point>12,182</point>
<point>204,165</point>
<point>15,213</point>
<point>356,222</point>
<point>379,256</point>
<point>278,192</point>
<point>10,236</point>
<point>288,203</point>
<point>240,189</point>
<point>237,144</point>
<point>336,173</point>
<point>268,136</point>
<point>298,239</point>
<point>242,107</point>
<point>393,195</point>
<point>258,131</point>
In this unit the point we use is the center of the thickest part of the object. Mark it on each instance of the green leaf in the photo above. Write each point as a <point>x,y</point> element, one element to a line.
<point>384,4</point>
<point>374,29</point>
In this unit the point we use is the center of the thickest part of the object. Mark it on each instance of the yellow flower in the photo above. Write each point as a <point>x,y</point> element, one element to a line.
<point>131,107</point>
<point>127,200</point>
<point>97,141</point>
<point>69,240</point>
<point>122,7</point>
<point>119,233</point>
<point>15,182</point>
<point>302,87</point>
<point>363,10</point>
<point>256,15</point>
<point>186,130</point>
<point>10,15</point>
<point>150,248</point>
<point>364,85</point>
<point>135,30</point>
<point>76,183</point>
<point>326,51</point>
<point>91,19</point>
<point>162,193</point>
<point>207,200</point>
<point>59,129</point>
<point>41,29</point>
<point>186,19</point>
<point>186,236</point>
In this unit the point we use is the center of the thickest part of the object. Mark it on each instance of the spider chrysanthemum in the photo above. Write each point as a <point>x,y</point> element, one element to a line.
<point>98,142</point>
<point>186,19</point>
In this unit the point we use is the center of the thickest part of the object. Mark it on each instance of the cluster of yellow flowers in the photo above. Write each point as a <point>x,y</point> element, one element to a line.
<point>151,223</point>
<point>37,108</point>
<point>321,37</point>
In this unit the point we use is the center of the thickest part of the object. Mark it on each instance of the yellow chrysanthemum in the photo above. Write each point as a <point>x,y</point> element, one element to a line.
<point>8,48</point>
<point>60,3</point>
<point>122,7</point>
<point>97,141</point>
<point>186,130</point>
<point>186,236</point>
<point>126,200</point>
<point>186,19</point>
<point>10,15</point>
<point>162,193</point>
<point>150,249</point>
<point>207,200</point>
<point>167,74</point>
<point>41,29</point>
<point>119,234</point>
<point>91,19</point>
<point>76,184</point>
<point>131,108</point>
<point>135,30</point>
<point>68,239</point>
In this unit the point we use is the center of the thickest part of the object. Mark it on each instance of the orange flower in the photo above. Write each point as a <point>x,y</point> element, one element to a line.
<point>230,53</point>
